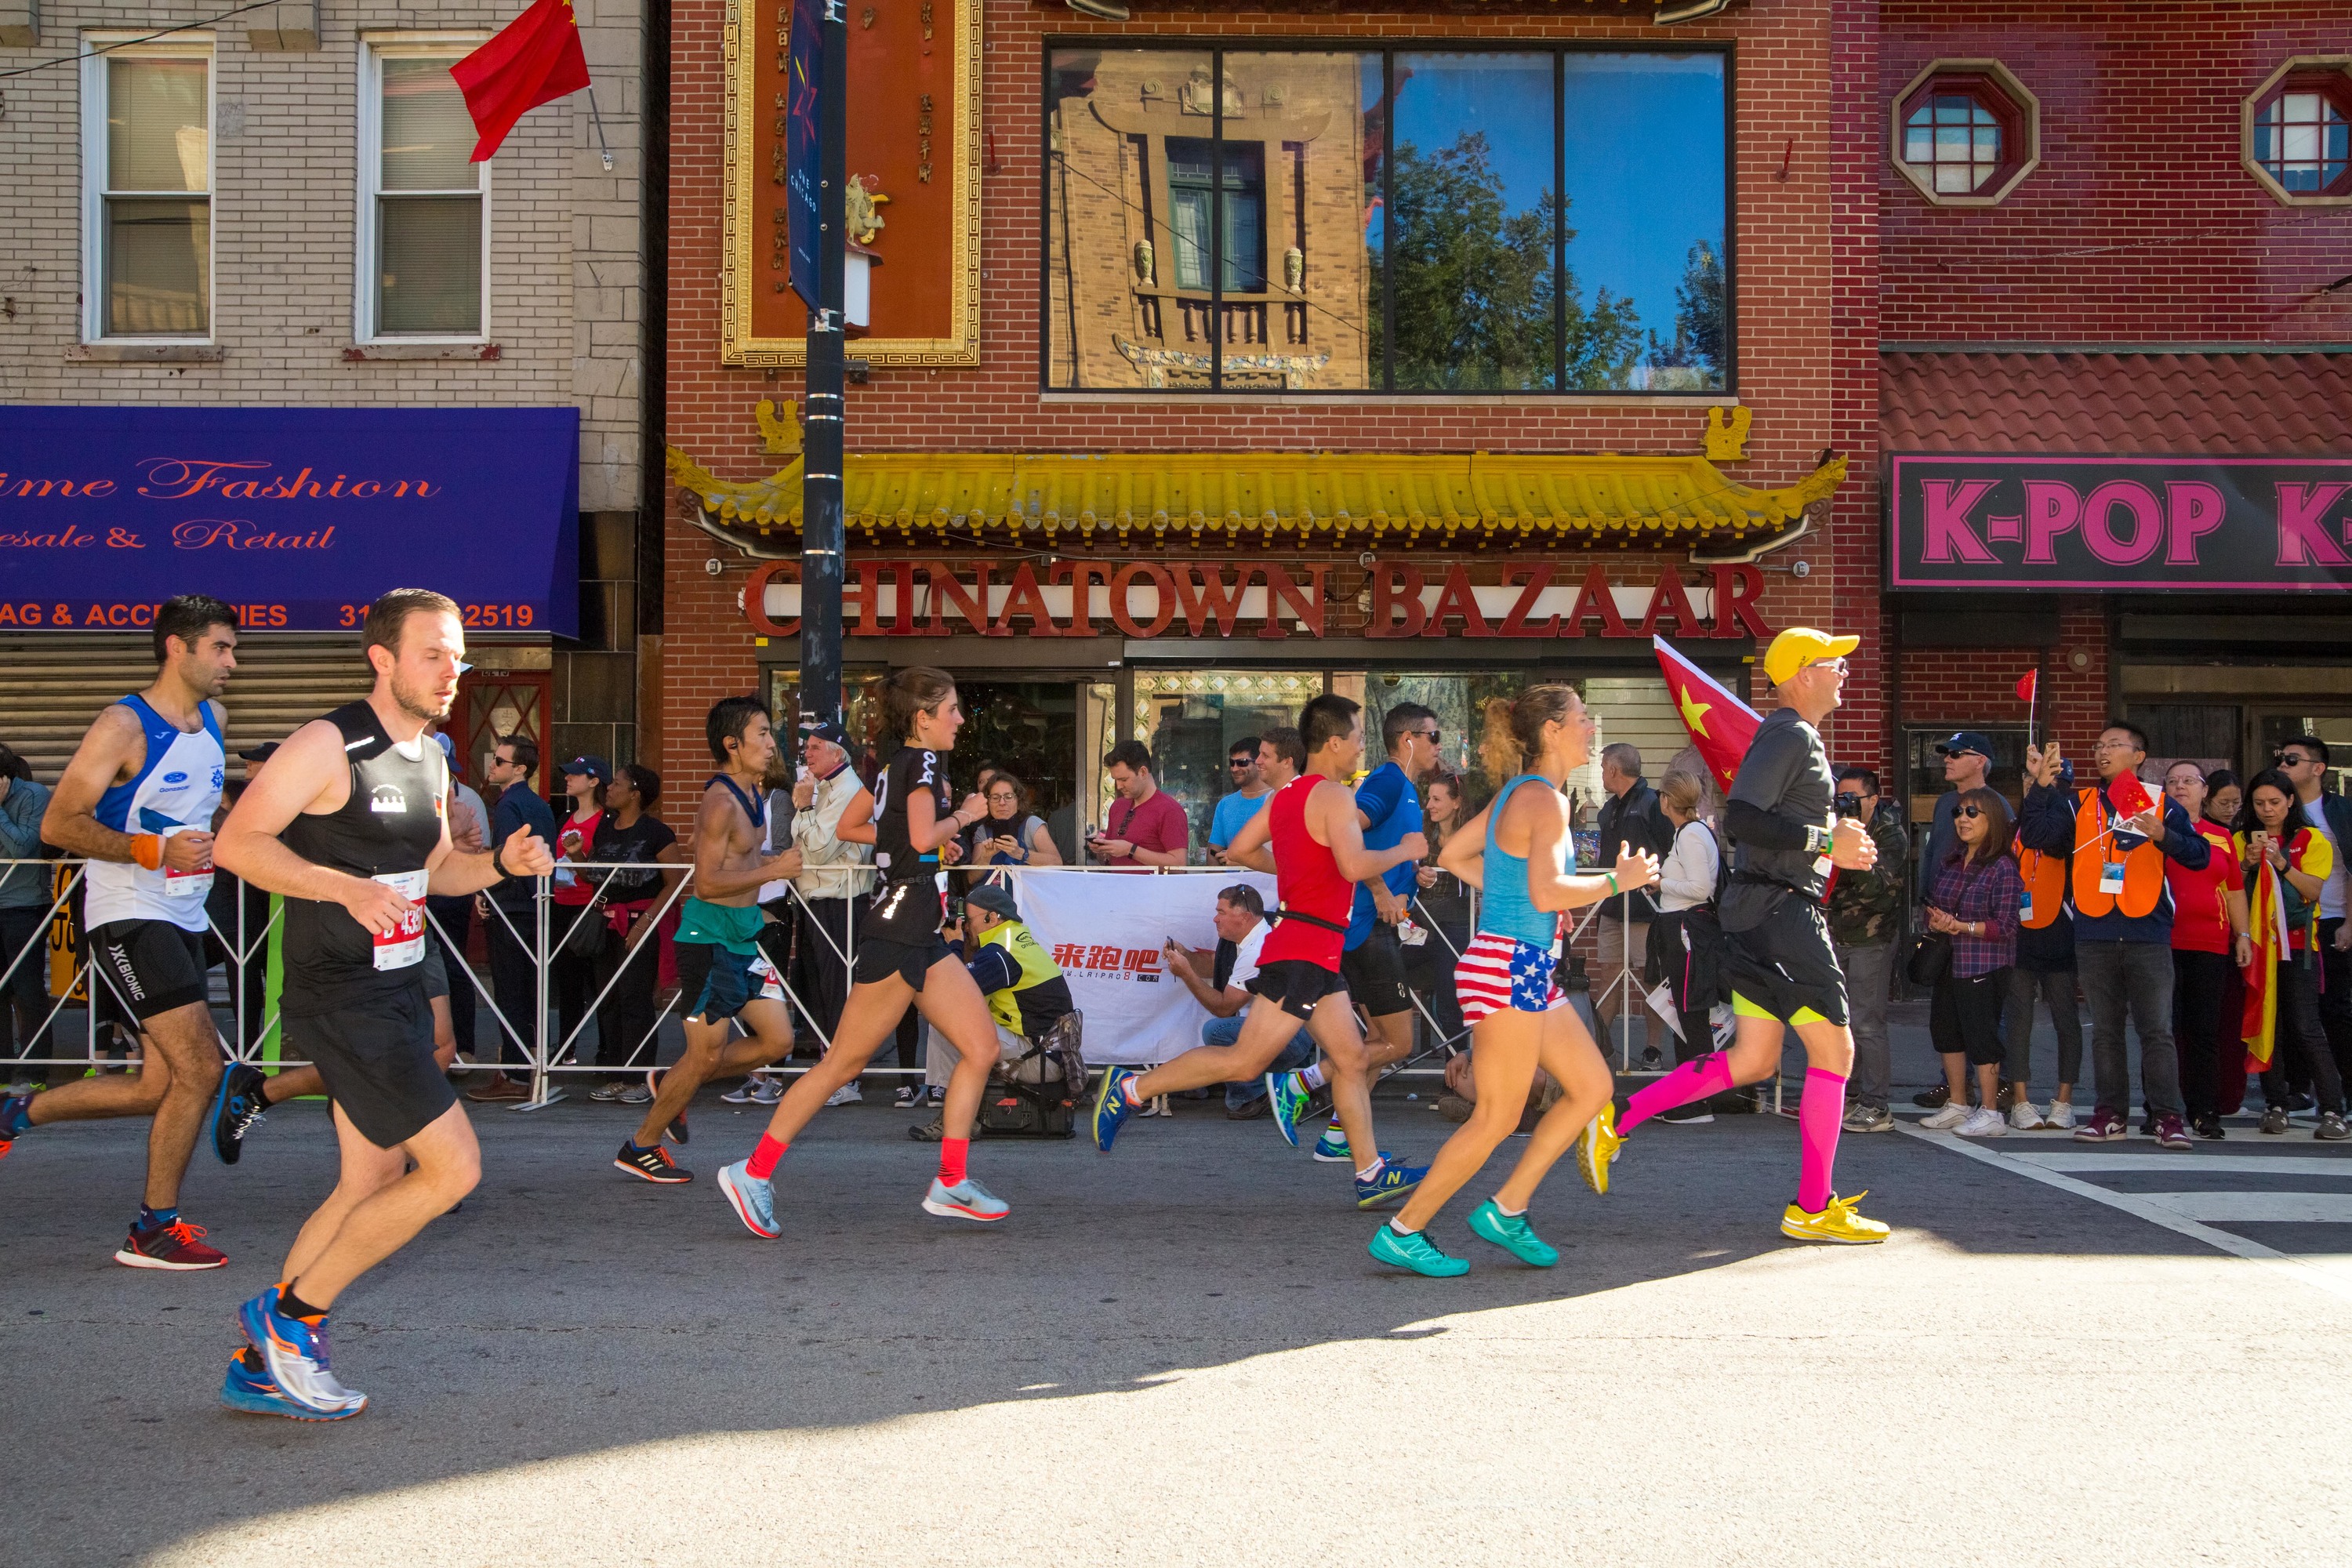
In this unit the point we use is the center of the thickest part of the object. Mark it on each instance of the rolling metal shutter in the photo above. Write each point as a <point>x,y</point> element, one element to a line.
<point>51,686</point>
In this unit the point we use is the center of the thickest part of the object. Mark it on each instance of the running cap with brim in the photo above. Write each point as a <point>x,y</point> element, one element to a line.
<point>1800,646</point>
<point>1963,742</point>
<point>996,899</point>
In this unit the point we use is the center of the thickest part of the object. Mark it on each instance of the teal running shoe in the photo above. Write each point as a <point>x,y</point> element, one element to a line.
<point>1111,1106</point>
<point>1513,1234</point>
<point>295,1358</point>
<point>1392,1182</point>
<point>247,1388</point>
<point>966,1200</point>
<point>752,1199</point>
<point>1289,1094</point>
<point>1413,1252</point>
<point>1332,1147</point>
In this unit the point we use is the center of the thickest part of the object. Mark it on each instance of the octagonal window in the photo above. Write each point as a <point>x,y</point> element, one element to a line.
<point>2303,136</point>
<point>1965,133</point>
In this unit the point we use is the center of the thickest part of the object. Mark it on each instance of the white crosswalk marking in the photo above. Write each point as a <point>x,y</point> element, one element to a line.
<point>2202,1164</point>
<point>2297,1208</point>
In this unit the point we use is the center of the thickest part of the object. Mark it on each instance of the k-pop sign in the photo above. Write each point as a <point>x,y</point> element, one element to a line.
<point>2036,520</point>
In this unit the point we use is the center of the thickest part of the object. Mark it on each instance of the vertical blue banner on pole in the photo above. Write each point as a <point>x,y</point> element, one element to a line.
<point>801,177</point>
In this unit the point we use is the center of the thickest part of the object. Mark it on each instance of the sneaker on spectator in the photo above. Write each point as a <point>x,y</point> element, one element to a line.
<point>2172,1133</point>
<point>2300,1099</point>
<point>1949,1117</point>
<point>742,1093</point>
<point>2332,1128</point>
<point>2024,1116</point>
<point>1932,1098</point>
<point>2274,1119</point>
<point>906,1097</point>
<point>608,1091</point>
<point>767,1089</point>
<point>1983,1122</point>
<point>1695,1114</point>
<point>936,1096</point>
<point>636,1094</point>
<point>2209,1127</point>
<point>2061,1115</point>
<point>847,1094</point>
<point>2107,1125</point>
<point>2006,1096</point>
<point>1869,1118</point>
<point>1250,1109</point>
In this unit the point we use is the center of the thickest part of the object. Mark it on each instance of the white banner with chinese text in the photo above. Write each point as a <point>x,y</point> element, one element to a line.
<point>1105,930</point>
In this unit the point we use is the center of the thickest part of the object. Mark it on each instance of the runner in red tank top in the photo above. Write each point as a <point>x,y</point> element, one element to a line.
<point>1309,838</point>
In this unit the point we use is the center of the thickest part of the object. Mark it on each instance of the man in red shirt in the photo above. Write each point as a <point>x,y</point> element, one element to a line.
<point>1147,827</point>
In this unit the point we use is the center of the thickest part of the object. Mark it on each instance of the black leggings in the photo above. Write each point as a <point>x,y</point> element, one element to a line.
<point>2301,1040</point>
<point>2203,1026</point>
<point>1964,1016</point>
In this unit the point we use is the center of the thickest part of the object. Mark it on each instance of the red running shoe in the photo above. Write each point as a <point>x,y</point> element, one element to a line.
<point>174,1246</point>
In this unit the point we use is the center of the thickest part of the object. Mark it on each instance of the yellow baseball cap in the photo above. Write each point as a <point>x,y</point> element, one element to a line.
<point>1800,646</point>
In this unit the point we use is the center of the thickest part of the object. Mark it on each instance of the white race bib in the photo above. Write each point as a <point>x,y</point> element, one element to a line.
<point>403,945</point>
<point>772,985</point>
<point>186,884</point>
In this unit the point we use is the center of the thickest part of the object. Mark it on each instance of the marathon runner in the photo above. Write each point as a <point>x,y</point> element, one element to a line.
<point>137,801</point>
<point>1785,838</point>
<point>1309,838</point>
<point>900,958</point>
<point>722,975</point>
<point>348,822</point>
<point>1520,851</point>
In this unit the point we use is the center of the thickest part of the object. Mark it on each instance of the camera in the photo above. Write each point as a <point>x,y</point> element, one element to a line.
<point>1849,804</point>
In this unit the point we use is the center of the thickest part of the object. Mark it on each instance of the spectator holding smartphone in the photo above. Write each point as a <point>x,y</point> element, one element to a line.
<point>1145,826</point>
<point>1975,900</point>
<point>1008,835</point>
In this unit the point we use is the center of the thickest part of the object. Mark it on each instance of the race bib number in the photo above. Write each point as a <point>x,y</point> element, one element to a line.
<point>186,884</point>
<point>1410,935</point>
<point>772,985</point>
<point>1823,866</point>
<point>403,945</point>
<point>2111,877</point>
<point>2025,908</point>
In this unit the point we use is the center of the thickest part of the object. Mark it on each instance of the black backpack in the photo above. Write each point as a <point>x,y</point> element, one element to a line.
<point>1036,1093</point>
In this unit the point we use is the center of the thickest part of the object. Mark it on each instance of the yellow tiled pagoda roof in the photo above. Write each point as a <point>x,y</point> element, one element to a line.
<point>1312,497</point>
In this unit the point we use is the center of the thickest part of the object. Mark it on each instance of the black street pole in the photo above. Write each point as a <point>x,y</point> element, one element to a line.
<point>820,499</point>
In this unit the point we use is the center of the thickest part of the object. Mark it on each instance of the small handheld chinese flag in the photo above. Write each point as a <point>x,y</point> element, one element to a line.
<point>533,60</point>
<point>2129,795</point>
<point>2027,685</point>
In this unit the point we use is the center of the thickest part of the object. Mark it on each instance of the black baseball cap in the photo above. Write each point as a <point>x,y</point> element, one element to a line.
<point>828,730</point>
<point>1964,741</point>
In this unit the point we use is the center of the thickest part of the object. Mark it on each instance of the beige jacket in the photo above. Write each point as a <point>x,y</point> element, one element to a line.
<point>830,870</point>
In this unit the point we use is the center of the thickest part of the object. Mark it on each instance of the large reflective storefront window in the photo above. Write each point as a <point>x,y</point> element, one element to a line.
<point>1190,719</point>
<point>1405,220</point>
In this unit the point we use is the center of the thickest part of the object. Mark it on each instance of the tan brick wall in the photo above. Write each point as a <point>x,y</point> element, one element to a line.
<point>566,245</point>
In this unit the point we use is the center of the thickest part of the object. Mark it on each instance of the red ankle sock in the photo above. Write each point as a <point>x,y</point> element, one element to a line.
<point>953,1151</point>
<point>763,1162</point>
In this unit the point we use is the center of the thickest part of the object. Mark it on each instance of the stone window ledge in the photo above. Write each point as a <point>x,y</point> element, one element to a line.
<point>143,354</point>
<point>359,352</point>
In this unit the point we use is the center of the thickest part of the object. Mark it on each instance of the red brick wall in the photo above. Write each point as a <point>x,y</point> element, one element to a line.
<point>2141,224</point>
<point>1961,687</point>
<point>1806,397</point>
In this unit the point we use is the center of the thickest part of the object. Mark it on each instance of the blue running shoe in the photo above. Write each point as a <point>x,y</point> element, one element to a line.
<point>238,1108</point>
<point>248,1388</point>
<point>1289,1094</point>
<point>1413,1252</point>
<point>296,1356</point>
<point>15,1115</point>
<point>752,1199</point>
<point>1111,1109</point>
<point>1513,1234</point>
<point>1392,1182</point>
<point>1332,1147</point>
<point>966,1200</point>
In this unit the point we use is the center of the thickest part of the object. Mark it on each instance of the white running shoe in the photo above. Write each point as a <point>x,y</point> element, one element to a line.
<point>2024,1116</point>
<point>847,1094</point>
<point>1952,1114</point>
<point>1982,1122</point>
<point>2061,1115</point>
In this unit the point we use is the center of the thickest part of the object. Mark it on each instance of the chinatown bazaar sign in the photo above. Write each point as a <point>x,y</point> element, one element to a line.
<point>2247,524</point>
<point>1391,599</point>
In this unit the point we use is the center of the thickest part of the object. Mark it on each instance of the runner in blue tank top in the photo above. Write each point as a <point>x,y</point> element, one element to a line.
<point>1520,853</point>
<point>137,802</point>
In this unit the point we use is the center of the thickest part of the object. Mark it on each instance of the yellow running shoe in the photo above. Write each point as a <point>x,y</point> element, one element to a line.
<point>1837,1222</point>
<point>1596,1149</point>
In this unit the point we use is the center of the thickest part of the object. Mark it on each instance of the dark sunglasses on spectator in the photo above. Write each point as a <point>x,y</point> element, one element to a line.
<point>2289,758</point>
<point>1969,810</point>
<point>1240,762</point>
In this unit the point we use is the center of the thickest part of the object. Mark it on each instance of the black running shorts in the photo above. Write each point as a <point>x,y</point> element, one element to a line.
<point>1374,972</point>
<point>378,1063</point>
<point>1785,964</point>
<point>1294,984</point>
<point>153,966</point>
<point>879,959</point>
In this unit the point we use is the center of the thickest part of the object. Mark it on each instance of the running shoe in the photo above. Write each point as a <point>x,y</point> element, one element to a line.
<point>1513,1234</point>
<point>1413,1251</point>
<point>1983,1122</point>
<point>636,1094</point>
<point>2209,1127</point>
<point>1332,1147</point>
<point>752,1199</point>
<point>2023,1115</point>
<point>247,1388</point>
<point>1390,1183</point>
<point>177,1246</point>
<point>768,1090</point>
<point>2172,1133</point>
<point>294,1354</point>
<point>2332,1128</point>
<point>847,1094</point>
<point>1111,1106</point>
<point>2274,1119</point>
<point>1869,1118</point>
<point>966,1200</point>
<point>609,1091</point>
<point>238,1109</point>
<point>1836,1223</point>
<point>1945,1118</point>
<point>2060,1116</point>
<point>744,1093</point>
<point>1289,1095</point>
<point>2106,1126</point>
<point>1596,1149</point>
<point>652,1164</point>
<point>15,1115</point>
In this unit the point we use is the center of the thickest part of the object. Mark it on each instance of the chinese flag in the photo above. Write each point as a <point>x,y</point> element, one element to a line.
<point>1721,726</point>
<point>534,59</point>
<point>2129,795</point>
<point>2026,686</point>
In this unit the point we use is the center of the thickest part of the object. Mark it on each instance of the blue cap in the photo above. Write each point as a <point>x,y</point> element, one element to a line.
<point>1964,741</point>
<point>598,767</point>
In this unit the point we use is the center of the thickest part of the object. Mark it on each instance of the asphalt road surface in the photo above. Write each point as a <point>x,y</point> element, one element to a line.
<point>1180,1353</point>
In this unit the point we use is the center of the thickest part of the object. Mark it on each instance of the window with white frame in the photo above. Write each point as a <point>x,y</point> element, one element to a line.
<point>424,217</point>
<point>147,191</point>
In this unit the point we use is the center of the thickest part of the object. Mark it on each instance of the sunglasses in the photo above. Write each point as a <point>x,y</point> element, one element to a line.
<point>1241,762</point>
<point>1969,810</point>
<point>2290,759</point>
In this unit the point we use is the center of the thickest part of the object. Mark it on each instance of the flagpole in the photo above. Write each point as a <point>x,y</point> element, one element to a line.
<point>822,541</point>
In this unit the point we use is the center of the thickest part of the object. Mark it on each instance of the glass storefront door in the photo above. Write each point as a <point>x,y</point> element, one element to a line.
<point>1191,719</point>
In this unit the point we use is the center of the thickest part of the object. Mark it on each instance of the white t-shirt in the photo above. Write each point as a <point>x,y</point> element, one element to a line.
<point>1245,953</point>
<point>2331,896</point>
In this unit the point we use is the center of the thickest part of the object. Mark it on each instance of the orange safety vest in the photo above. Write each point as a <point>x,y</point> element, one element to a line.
<point>2044,876</point>
<point>2094,850</point>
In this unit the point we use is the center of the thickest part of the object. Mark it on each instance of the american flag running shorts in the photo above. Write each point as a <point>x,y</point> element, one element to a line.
<point>1497,971</point>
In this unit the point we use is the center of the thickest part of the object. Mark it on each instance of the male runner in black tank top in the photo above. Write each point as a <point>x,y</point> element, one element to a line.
<point>346,822</point>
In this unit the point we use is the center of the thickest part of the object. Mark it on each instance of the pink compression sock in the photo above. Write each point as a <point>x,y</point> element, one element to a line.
<point>763,1162</point>
<point>1711,1074</point>
<point>1820,1114</point>
<point>953,1152</point>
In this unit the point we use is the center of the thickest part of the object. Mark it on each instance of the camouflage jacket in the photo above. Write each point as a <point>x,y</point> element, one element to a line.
<point>1865,908</point>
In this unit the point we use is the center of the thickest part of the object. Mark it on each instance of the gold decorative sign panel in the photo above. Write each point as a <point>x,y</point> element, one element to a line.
<point>913,183</point>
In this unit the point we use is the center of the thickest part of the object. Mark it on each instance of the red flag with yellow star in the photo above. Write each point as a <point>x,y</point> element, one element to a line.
<point>536,58</point>
<point>1721,726</point>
